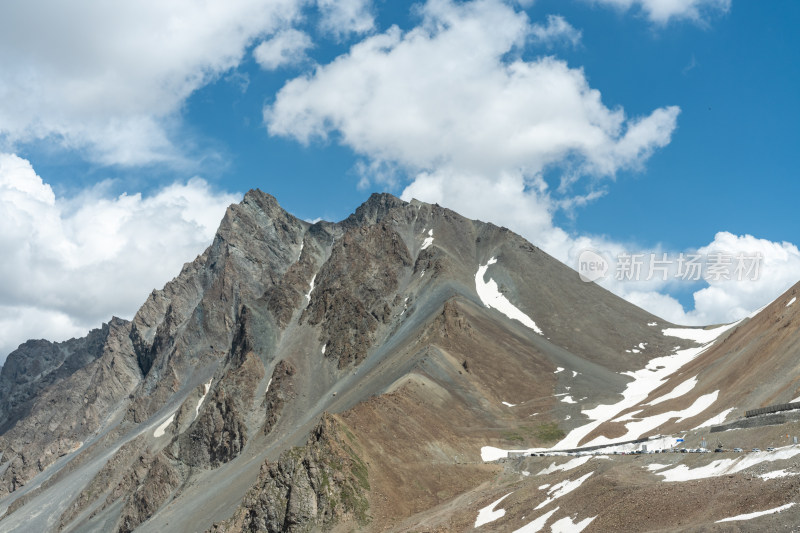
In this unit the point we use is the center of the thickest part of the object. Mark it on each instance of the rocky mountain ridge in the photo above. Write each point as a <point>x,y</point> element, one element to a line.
<point>298,377</point>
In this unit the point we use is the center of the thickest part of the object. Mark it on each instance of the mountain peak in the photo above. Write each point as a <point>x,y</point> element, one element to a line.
<point>375,208</point>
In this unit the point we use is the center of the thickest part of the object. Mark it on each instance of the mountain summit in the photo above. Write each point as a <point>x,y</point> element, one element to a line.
<point>389,371</point>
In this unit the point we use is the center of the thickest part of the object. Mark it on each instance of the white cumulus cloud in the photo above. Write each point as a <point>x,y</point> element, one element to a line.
<point>71,263</point>
<point>341,18</point>
<point>287,47</point>
<point>443,95</point>
<point>107,78</point>
<point>663,11</point>
<point>556,30</point>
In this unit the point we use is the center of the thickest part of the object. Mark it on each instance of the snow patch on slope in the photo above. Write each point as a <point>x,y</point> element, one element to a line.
<point>637,428</point>
<point>677,392</point>
<point>206,388</point>
<point>750,516</point>
<point>311,288</point>
<point>657,371</point>
<point>561,489</point>
<point>716,419</point>
<point>775,474</point>
<point>701,336</point>
<point>488,514</point>
<point>538,524</point>
<point>569,465</point>
<point>491,297</point>
<point>428,241</point>
<point>164,425</point>
<point>793,300</point>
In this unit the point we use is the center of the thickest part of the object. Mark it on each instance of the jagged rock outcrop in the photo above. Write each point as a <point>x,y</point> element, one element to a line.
<point>192,322</point>
<point>148,485</point>
<point>64,415</point>
<point>355,288</point>
<point>219,433</point>
<point>37,364</point>
<point>279,390</point>
<point>307,489</point>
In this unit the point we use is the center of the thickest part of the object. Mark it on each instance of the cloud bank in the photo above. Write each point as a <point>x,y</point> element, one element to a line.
<point>71,263</point>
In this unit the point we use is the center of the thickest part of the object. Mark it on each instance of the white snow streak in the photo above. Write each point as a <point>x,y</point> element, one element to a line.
<point>793,300</point>
<point>716,419</point>
<point>750,516</point>
<point>568,399</point>
<point>311,288</point>
<point>428,240</point>
<point>206,388</point>
<point>640,427</point>
<point>569,465</point>
<point>701,336</point>
<point>677,392</point>
<point>509,404</point>
<point>538,524</point>
<point>652,376</point>
<point>488,514</point>
<point>164,425</point>
<point>562,489</point>
<point>490,453</point>
<point>491,297</point>
<point>559,369</point>
<point>776,474</point>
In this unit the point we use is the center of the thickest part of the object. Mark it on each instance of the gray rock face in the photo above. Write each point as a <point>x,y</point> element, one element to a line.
<point>220,432</point>
<point>62,416</point>
<point>307,489</point>
<point>37,364</point>
<point>355,289</point>
<point>149,485</point>
<point>280,390</point>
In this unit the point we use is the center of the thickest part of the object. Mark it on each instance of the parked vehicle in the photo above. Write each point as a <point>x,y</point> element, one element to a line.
<point>738,450</point>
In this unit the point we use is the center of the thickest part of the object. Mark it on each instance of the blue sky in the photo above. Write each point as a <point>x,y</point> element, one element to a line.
<point>613,125</point>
